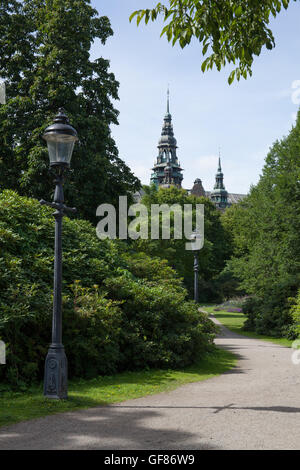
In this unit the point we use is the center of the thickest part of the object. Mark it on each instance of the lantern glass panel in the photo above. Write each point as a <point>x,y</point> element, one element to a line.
<point>60,147</point>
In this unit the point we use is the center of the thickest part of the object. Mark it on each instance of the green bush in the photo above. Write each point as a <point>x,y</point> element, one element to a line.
<point>270,315</point>
<point>295,314</point>
<point>121,309</point>
<point>159,328</point>
<point>251,308</point>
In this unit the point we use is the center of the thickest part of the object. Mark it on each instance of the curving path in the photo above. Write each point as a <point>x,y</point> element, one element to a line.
<point>254,406</point>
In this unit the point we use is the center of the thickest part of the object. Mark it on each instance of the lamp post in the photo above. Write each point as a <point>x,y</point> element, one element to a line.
<point>60,138</point>
<point>195,235</point>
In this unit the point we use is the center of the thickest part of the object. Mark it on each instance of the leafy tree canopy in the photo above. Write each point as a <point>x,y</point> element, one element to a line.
<point>266,233</point>
<point>230,31</point>
<point>45,62</point>
<point>212,256</point>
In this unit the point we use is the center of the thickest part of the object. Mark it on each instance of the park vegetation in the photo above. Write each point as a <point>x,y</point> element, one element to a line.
<point>45,63</point>
<point>264,230</point>
<point>127,304</point>
<point>265,233</point>
<point>122,309</point>
<point>217,243</point>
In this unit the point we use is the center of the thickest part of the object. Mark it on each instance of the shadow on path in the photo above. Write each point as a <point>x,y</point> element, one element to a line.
<point>280,409</point>
<point>101,428</point>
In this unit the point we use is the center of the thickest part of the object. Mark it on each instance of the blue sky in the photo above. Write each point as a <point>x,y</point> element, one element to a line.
<point>244,119</point>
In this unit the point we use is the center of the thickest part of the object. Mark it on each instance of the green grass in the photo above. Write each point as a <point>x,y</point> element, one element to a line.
<point>15,407</point>
<point>234,321</point>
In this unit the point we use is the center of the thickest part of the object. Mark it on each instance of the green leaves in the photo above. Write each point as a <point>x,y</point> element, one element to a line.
<point>51,68</point>
<point>121,309</point>
<point>204,64</point>
<point>238,11</point>
<point>225,26</point>
<point>266,235</point>
<point>231,77</point>
<point>213,254</point>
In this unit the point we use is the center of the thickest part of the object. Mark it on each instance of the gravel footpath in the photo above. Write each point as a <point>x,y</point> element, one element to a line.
<point>254,406</point>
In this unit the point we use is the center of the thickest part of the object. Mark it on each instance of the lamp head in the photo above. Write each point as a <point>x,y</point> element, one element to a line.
<point>60,137</point>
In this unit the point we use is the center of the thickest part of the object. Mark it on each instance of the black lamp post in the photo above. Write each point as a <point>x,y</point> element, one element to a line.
<point>60,138</point>
<point>195,235</point>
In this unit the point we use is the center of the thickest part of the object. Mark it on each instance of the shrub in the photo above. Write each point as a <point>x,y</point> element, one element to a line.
<point>92,332</point>
<point>295,314</point>
<point>121,309</point>
<point>235,302</point>
<point>270,315</point>
<point>159,328</point>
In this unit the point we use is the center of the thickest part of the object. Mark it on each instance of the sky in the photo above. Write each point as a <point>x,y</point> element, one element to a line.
<point>243,120</point>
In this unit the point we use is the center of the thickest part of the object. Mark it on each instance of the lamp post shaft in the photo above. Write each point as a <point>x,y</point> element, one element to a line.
<point>56,367</point>
<point>60,137</point>
<point>196,277</point>
<point>57,292</point>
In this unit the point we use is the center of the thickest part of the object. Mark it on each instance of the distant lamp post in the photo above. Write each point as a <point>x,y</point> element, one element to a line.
<point>60,138</point>
<point>196,248</point>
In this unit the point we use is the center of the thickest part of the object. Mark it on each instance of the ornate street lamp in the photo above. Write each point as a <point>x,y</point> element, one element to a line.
<point>60,138</point>
<point>196,248</point>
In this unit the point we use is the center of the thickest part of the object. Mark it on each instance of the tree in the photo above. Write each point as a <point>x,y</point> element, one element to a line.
<point>213,255</point>
<point>230,31</point>
<point>266,235</point>
<point>45,62</point>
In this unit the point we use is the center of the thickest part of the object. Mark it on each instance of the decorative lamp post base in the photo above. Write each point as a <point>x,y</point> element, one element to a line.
<point>56,374</point>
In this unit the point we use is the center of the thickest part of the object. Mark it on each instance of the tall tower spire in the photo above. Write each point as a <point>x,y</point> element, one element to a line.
<point>219,166</point>
<point>167,170</point>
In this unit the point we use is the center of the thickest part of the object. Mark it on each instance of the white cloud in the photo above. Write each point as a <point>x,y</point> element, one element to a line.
<point>204,163</point>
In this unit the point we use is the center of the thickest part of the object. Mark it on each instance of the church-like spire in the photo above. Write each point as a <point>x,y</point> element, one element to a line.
<point>219,193</point>
<point>219,176</point>
<point>219,165</point>
<point>167,154</point>
<point>167,134</point>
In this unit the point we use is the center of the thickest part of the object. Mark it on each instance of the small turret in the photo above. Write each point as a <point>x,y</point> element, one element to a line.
<point>219,194</point>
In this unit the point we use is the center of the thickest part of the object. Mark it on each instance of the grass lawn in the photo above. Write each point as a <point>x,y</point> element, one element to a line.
<point>234,321</point>
<point>15,407</point>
